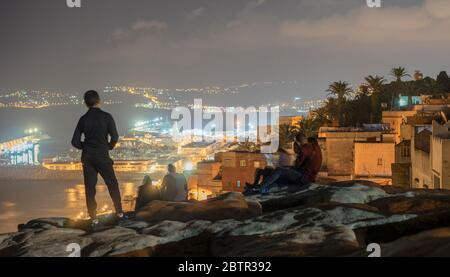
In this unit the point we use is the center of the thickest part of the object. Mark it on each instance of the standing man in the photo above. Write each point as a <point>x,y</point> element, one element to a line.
<point>96,125</point>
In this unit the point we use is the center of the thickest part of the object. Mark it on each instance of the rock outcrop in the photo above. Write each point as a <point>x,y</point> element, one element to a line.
<point>339,219</point>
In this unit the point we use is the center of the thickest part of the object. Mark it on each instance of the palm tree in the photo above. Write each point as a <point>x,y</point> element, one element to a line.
<point>321,116</point>
<point>399,72</point>
<point>375,86</point>
<point>331,109</point>
<point>340,90</point>
<point>287,134</point>
<point>309,127</point>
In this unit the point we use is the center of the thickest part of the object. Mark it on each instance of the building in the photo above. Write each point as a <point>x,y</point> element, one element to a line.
<point>373,159</point>
<point>395,119</point>
<point>338,146</point>
<point>420,157</point>
<point>401,168</point>
<point>206,181</point>
<point>238,168</point>
<point>440,155</point>
<point>412,167</point>
<point>197,151</point>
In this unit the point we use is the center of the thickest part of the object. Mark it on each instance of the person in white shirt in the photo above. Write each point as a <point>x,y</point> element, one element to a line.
<point>174,186</point>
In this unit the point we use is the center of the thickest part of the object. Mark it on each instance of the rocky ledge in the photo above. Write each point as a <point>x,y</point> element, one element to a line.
<point>338,219</point>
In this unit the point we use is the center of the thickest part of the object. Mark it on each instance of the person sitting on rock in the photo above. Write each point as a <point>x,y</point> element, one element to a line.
<point>305,171</point>
<point>281,158</point>
<point>147,193</point>
<point>174,186</point>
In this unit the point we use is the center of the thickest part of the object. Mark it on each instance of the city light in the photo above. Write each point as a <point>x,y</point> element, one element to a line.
<point>188,166</point>
<point>31,131</point>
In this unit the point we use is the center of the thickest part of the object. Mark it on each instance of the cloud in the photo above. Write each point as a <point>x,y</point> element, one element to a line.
<point>197,13</point>
<point>140,26</point>
<point>260,42</point>
<point>438,8</point>
<point>149,25</point>
<point>253,5</point>
<point>367,26</point>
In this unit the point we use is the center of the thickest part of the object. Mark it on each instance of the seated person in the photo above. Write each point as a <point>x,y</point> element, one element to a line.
<point>174,186</point>
<point>305,171</point>
<point>281,158</point>
<point>147,193</point>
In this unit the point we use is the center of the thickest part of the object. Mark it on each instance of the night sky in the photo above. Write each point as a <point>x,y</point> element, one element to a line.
<point>195,43</point>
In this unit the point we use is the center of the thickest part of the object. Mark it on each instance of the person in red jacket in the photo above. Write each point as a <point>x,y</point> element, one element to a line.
<point>305,171</point>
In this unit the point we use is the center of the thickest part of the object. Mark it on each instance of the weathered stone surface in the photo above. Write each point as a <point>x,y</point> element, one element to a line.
<point>42,243</point>
<point>338,219</point>
<point>431,243</point>
<point>46,223</point>
<point>230,205</point>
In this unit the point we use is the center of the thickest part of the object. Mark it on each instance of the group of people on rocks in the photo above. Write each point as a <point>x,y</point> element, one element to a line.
<point>304,170</point>
<point>101,136</point>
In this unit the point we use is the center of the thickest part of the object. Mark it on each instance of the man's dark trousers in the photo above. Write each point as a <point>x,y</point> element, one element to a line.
<point>92,166</point>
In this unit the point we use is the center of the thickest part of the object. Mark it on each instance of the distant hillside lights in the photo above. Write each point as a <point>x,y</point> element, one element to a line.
<point>373,3</point>
<point>73,3</point>
<point>262,125</point>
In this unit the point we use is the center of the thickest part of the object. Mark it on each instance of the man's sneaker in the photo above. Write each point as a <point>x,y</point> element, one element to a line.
<point>95,224</point>
<point>265,190</point>
<point>252,190</point>
<point>122,217</point>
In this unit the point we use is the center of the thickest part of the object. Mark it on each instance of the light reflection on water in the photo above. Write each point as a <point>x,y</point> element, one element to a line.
<point>21,201</point>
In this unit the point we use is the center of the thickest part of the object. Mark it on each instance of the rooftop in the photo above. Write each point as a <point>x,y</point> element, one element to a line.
<point>199,144</point>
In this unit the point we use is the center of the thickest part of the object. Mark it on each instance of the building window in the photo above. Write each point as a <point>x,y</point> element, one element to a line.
<point>228,163</point>
<point>380,161</point>
<point>242,163</point>
<point>437,182</point>
<point>257,164</point>
<point>238,183</point>
<point>405,152</point>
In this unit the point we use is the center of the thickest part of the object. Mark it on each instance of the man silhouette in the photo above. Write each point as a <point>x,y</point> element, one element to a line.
<point>174,186</point>
<point>96,125</point>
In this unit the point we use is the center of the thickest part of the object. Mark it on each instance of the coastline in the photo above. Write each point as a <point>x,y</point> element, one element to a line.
<point>34,173</point>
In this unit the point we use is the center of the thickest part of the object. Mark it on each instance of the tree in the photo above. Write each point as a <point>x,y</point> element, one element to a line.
<point>322,116</point>
<point>309,127</point>
<point>443,82</point>
<point>418,75</point>
<point>363,105</point>
<point>340,90</point>
<point>399,72</point>
<point>375,86</point>
<point>287,134</point>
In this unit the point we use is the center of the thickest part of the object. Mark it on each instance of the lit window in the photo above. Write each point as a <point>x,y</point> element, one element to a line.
<point>257,164</point>
<point>242,163</point>
<point>238,183</point>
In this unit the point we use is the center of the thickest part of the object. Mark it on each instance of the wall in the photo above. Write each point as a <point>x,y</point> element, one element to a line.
<point>440,162</point>
<point>374,159</point>
<point>420,169</point>
<point>235,174</point>
<point>339,150</point>
<point>395,119</point>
